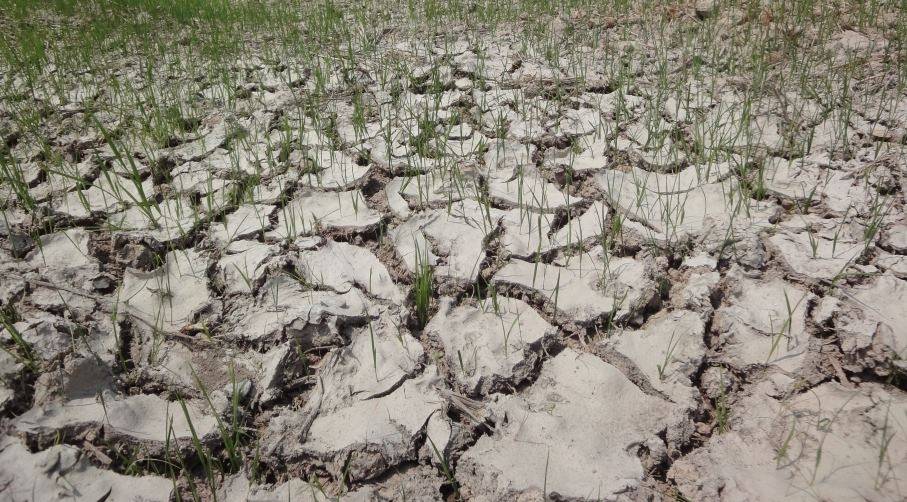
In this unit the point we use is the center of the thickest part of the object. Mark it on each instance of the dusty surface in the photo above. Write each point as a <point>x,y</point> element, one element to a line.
<point>623,259</point>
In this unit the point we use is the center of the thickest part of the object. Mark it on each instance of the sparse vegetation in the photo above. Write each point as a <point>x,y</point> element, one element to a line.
<point>324,249</point>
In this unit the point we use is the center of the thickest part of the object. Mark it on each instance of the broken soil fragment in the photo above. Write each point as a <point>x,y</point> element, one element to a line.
<point>63,472</point>
<point>375,402</point>
<point>491,345</point>
<point>573,432</point>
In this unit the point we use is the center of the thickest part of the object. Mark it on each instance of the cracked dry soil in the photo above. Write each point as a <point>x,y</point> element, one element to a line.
<point>591,262</point>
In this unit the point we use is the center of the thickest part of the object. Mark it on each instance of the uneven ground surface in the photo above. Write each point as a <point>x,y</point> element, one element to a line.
<point>479,251</point>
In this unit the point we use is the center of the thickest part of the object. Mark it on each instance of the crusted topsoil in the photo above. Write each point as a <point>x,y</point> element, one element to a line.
<point>600,263</point>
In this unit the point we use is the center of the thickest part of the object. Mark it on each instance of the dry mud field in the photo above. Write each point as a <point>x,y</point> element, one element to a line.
<point>470,251</point>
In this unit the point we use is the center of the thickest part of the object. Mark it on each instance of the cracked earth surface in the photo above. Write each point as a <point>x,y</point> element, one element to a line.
<point>484,277</point>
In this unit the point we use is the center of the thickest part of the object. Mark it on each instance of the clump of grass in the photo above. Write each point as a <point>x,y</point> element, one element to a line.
<point>127,164</point>
<point>232,453</point>
<point>422,286</point>
<point>204,455</point>
<point>722,407</point>
<point>445,466</point>
<point>12,177</point>
<point>21,350</point>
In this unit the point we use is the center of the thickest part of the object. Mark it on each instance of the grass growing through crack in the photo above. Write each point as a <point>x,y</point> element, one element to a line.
<point>371,334</point>
<point>231,432</point>
<point>129,166</point>
<point>445,465</point>
<point>234,452</point>
<point>786,330</point>
<point>422,285</point>
<point>883,474</point>
<point>722,407</point>
<point>668,356</point>
<point>200,450</point>
<point>782,452</point>
<point>12,177</point>
<point>21,350</point>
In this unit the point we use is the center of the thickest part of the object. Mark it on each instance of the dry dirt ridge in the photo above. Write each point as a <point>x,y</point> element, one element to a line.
<point>506,286</point>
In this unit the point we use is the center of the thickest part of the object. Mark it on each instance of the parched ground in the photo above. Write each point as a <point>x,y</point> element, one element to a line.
<point>275,250</point>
